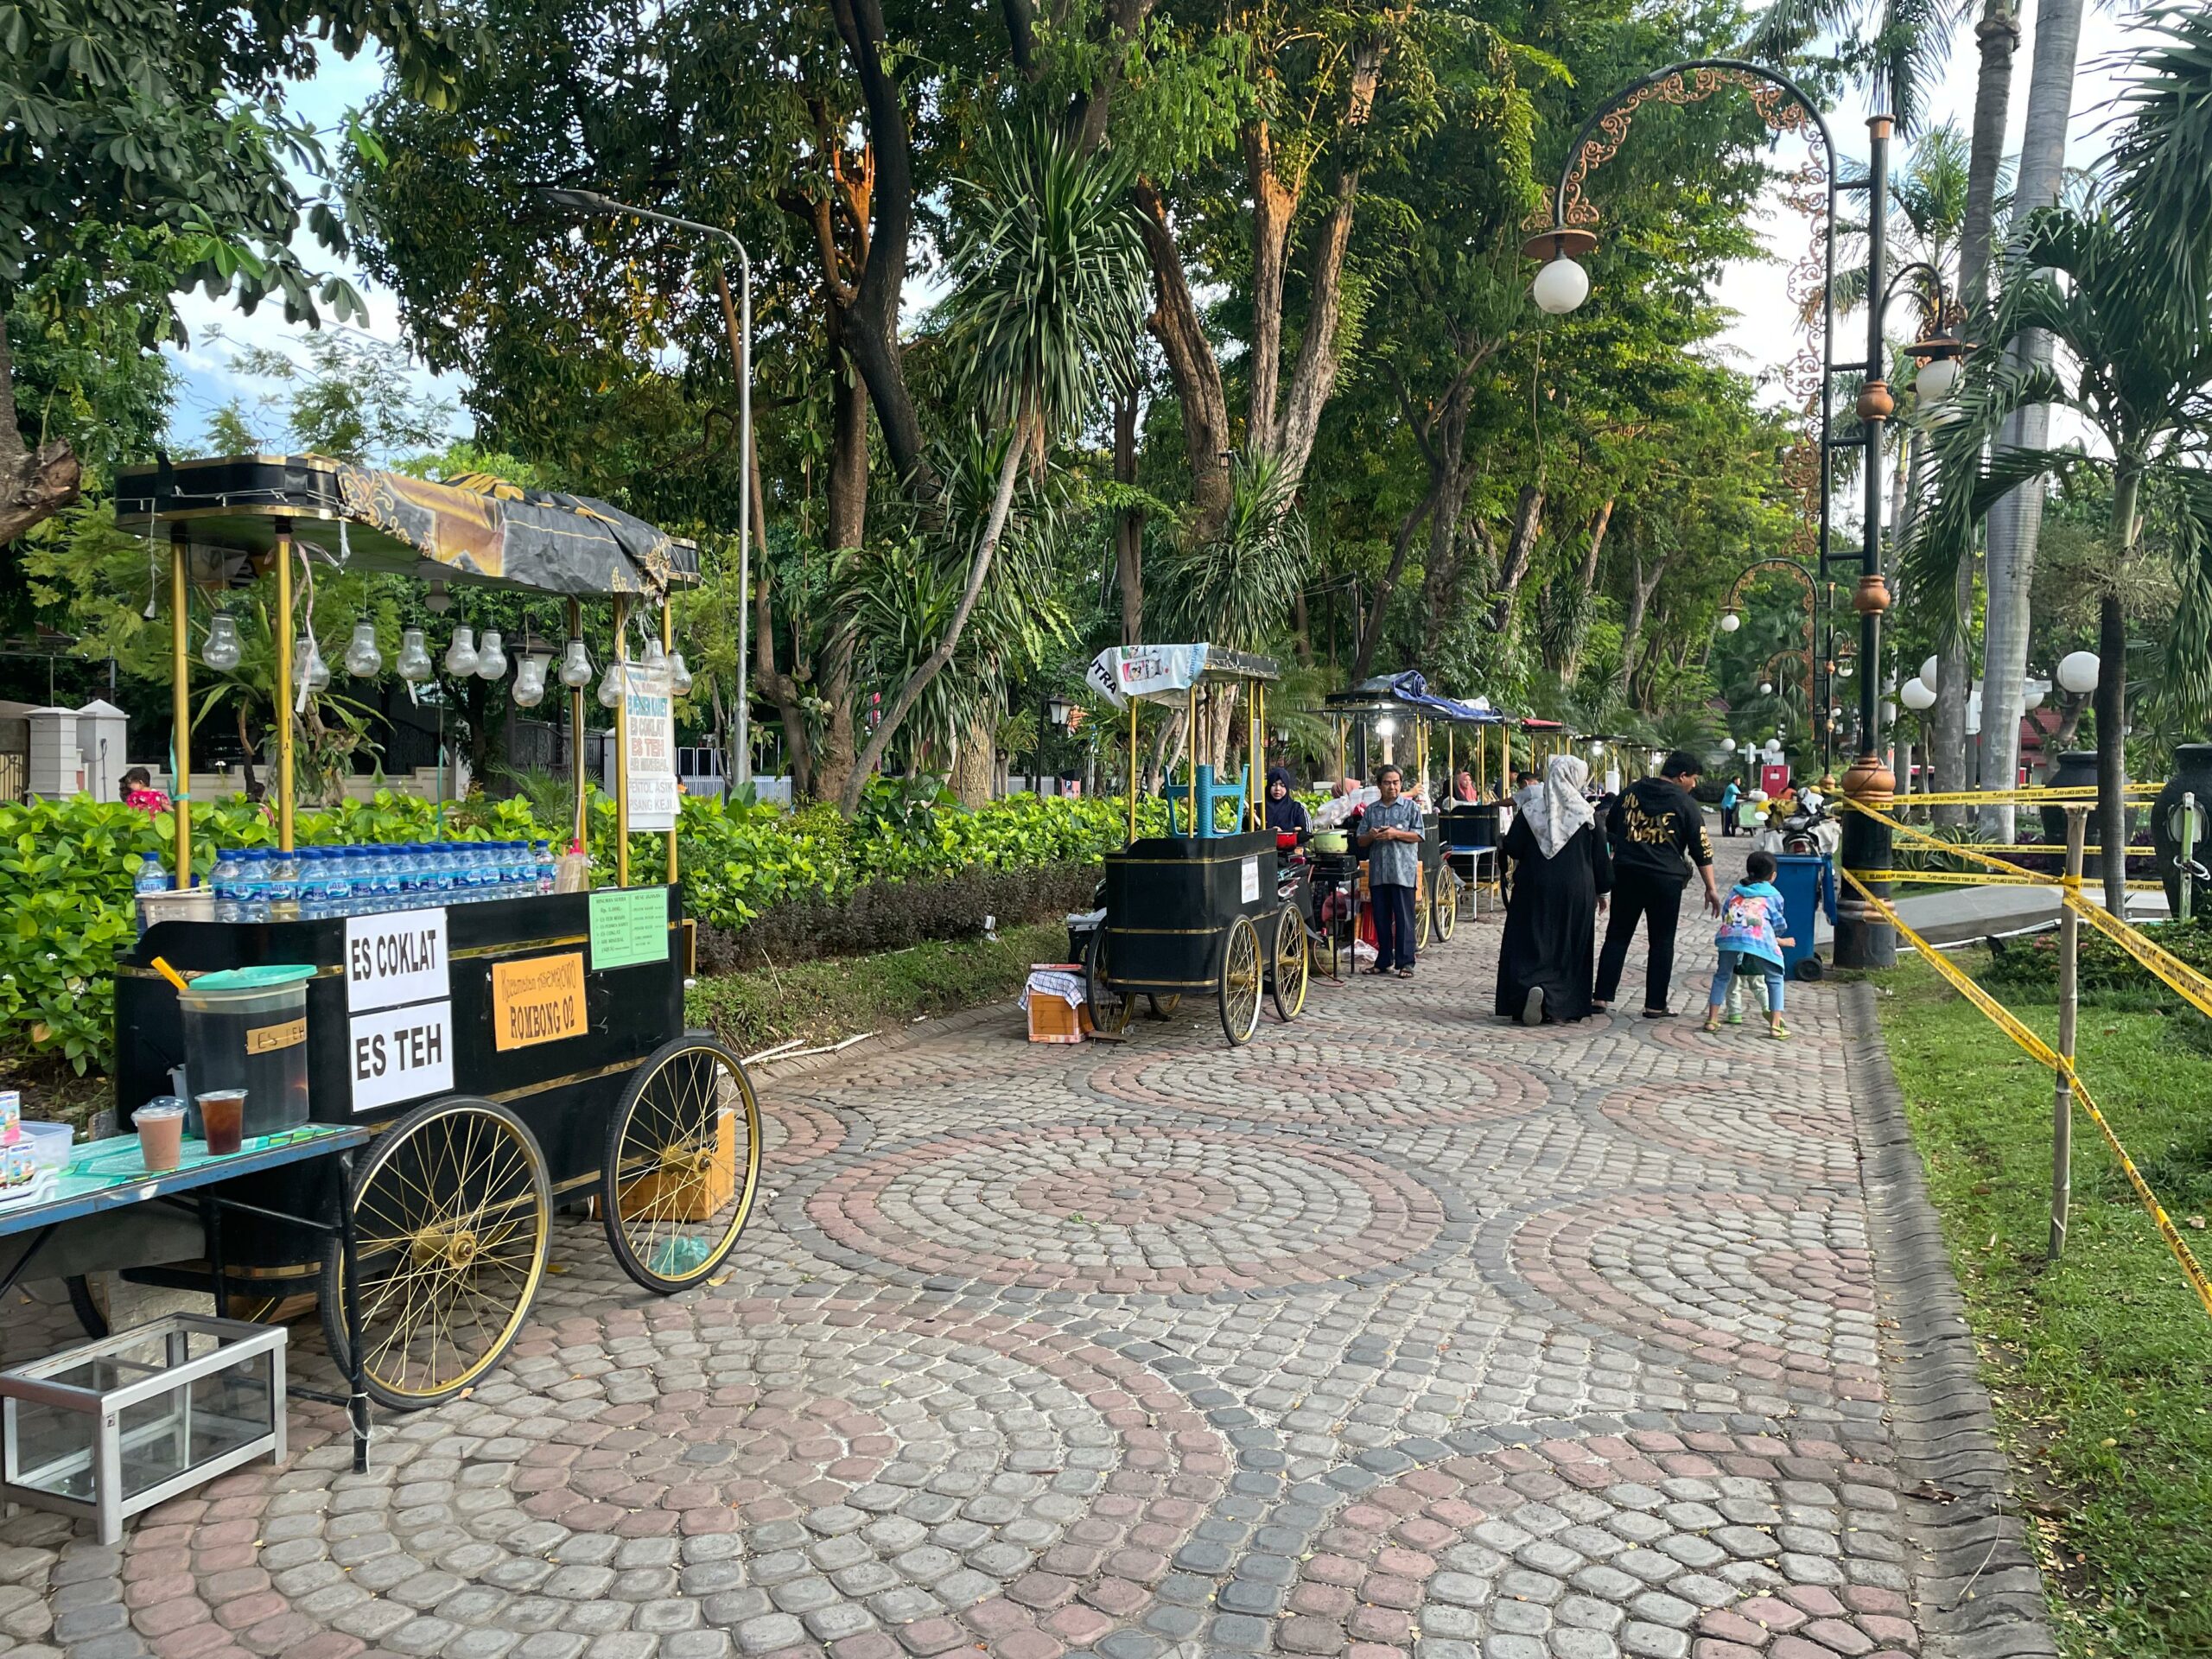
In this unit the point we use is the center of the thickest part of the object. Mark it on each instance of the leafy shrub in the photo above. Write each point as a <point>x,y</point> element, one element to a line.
<point>902,870</point>
<point>2103,971</point>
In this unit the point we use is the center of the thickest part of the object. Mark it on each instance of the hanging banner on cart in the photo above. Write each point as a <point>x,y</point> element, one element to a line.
<point>648,757</point>
<point>537,1001</point>
<point>395,957</point>
<point>401,1054</point>
<point>1120,673</point>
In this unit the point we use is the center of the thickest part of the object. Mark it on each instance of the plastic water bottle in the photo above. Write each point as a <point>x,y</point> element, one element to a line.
<point>391,890</point>
<point>360,880</point>
<point>542,871</point>
<point>253,885</point>
<point>152,878</point>
<point>337,887</point>
<point>229,901</point>
<point>307,862</point>
<point>282,886</point>
<point>522,873</point>
<point>445,871</point>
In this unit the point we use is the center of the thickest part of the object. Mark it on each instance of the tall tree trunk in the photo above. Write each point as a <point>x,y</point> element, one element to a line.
<point>931,666</point>
<point>1998,35</point>
<point>1641,589</point>
<point>976,765</point>
<point>1519,549</point>
<point>2015,521</point>
<point>34,484</point>
<point>2112,693</point>
<point>1585,579</point>
<point>1128,523</point>
<point>870,329</point>
<point>1192,369</point>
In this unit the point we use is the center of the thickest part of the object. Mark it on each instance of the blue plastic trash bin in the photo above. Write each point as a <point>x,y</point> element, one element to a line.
<point>1803,879</point>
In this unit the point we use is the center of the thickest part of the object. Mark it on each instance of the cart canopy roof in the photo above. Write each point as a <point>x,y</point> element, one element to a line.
<point>1408,692</point>
<point>475,529</point>
<point>1162,673</point>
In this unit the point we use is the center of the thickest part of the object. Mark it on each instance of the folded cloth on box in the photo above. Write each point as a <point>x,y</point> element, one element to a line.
<point>1051,982</point>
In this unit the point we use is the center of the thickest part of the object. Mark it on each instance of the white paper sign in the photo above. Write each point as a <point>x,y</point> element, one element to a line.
<point>649,759</point>
<point>1251,880</point>
<point>401,1054</point>
<point>398,956</point>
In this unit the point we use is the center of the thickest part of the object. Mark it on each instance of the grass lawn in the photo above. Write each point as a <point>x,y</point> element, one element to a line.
<point>2100,1366</point>
<point>829,999</point>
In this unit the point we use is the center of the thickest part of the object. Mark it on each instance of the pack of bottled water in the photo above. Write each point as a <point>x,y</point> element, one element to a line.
<point>262,884</point>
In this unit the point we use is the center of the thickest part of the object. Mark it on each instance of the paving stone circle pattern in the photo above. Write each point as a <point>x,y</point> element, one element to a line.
<point>1402,1332</point>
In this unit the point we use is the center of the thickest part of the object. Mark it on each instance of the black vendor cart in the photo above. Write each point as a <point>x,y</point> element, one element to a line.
<point>509,1055</point>
<point>1208,908</point>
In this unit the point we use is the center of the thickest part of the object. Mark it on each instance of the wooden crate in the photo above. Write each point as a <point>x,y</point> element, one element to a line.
<point>679,1195</point>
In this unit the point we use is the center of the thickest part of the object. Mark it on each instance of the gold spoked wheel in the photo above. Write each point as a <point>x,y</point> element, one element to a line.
<point>1288,974</point>
<point>1446,905</point>
<point>683,1164</point>
<point>1240,981</point>
<point>1163,1003</point>
<point>1424,895</point>
<point>451,1213</point>
<point>1109,1009</point>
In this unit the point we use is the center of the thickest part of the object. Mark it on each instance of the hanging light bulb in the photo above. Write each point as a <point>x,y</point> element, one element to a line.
<point>414,663</point>
<point>575,666</point>
<point>680,674</point>
<point>222,649</point>
<point>490,657</point>
<point>530,682</point>
<point>461,655</point>
<point>613,684</point>
<point>308,667</point>
<point>654,655</point>
<point>437,598</point>
<point>363,660</point>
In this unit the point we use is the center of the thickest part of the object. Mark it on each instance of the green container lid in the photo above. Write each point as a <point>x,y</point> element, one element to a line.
<point>267,978</point>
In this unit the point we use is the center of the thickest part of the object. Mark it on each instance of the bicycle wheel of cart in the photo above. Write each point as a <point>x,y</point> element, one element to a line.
<point>1241,975</point>
<point>681,1165</point>
<point>1109,1009</point>
<point>1424,903</point>
<point>1287,975</point>
<point>452,1208</point>
<point>1446,905</point>
<point>1163,1007</point>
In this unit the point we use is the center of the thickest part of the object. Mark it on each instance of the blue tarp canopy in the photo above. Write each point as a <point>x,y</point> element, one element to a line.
<point>1409,688</point>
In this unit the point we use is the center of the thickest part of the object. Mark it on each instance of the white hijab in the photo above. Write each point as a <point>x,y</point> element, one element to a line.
<point>1555,809</point>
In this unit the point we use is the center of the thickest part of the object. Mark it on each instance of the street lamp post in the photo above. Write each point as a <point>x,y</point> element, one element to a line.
<point>1864,939</point>
<point>590,201</point>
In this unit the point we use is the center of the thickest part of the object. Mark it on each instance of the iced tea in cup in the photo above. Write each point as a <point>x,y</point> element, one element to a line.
<point>160,1133</point>
<point>222,1119</point>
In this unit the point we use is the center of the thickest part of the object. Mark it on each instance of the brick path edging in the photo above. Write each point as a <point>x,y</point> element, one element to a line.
<point>1979,1591</point>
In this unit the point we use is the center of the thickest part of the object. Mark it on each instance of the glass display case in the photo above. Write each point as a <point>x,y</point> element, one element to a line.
<point>108,1428</point>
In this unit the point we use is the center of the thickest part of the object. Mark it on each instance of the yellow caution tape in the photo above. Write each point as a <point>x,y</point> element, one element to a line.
<point>1955,848</point>
<point>1960,982</point>
<point>2170,969</point>
<point>2167,1230</point>
<point>2044,1054</point>
<point>1985,878</point>
<point>2073,793</point>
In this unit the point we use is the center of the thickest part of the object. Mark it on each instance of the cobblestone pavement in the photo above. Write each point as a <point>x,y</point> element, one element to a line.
<point>1401,1331</point>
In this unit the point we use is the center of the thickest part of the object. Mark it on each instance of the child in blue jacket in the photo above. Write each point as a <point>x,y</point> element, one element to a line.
<point>1747,935</point>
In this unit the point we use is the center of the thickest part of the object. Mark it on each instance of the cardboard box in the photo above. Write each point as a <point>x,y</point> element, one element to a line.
<point>679,1194</point>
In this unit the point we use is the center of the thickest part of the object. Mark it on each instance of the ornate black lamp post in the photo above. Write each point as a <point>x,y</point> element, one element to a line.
<point>1863,938</point>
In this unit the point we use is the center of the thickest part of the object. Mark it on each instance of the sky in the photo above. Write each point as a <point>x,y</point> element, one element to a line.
<point>1754,290</point>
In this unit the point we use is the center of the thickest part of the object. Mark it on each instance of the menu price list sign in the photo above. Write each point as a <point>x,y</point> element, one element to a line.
<point>539,1000</point>
<point>629,926</point>
<point>647,754</point>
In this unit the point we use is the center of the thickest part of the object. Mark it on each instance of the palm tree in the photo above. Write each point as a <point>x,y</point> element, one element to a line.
<point>1050,292</point>
<point>1895,47</point>
<point>2138,370</point>
<point>2015,523</point>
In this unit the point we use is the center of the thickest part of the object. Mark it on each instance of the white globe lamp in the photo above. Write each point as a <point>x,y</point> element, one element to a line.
<point>2077,672</point>
<point>1917,695</point>
<point>1731,622</point>
<point>1561,286</point>
<point>1937,377</point>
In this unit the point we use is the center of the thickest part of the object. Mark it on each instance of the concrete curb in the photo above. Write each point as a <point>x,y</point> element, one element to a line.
<point>1980,1593</point>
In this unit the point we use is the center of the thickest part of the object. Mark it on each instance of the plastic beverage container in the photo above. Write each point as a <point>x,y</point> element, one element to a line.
<point>160,1133</point>
<point>245,1030</point>
<point>222,1115</point>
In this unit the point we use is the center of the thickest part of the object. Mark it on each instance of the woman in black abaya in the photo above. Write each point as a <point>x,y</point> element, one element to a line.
<point>1562,871</point>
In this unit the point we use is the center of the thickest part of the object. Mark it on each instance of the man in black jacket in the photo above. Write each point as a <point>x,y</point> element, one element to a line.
<point>1657,832</point>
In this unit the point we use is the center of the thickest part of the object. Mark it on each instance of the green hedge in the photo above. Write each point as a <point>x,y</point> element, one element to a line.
<point>67,869</point>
